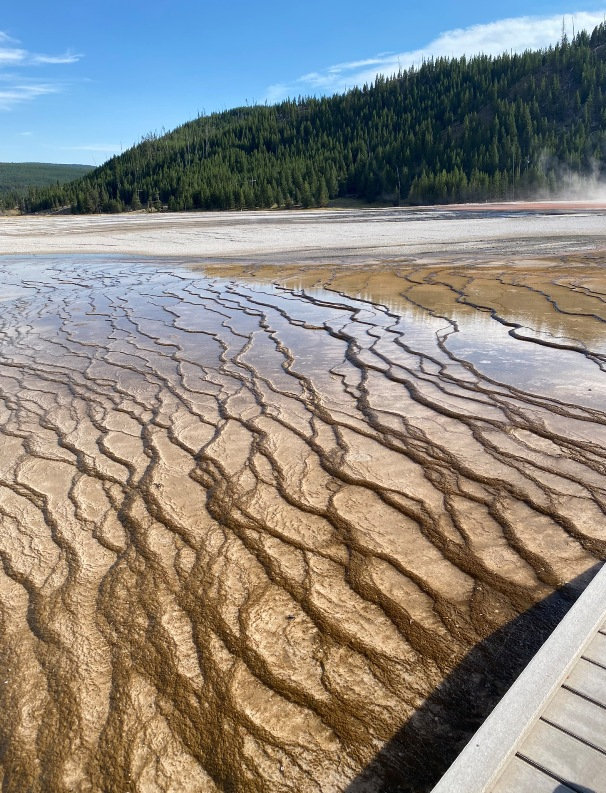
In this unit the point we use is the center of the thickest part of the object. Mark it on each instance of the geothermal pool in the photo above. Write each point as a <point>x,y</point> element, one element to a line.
<point>273,528</point>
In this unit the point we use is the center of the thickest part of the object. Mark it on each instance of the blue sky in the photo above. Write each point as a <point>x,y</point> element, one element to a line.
<point>79,81</point>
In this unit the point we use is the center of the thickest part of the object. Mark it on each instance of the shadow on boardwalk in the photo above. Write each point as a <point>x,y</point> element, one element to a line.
<point>420,752</point>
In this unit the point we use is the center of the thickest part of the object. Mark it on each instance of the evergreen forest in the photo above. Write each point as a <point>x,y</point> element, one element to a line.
<point>451,130</point>
<point>16,178</point>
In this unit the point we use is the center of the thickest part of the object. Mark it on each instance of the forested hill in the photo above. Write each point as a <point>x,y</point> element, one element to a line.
<point>451,130</point>
<point>17,177</point>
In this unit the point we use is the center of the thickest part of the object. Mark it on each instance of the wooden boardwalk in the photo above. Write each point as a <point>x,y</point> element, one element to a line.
<point>548,733</point>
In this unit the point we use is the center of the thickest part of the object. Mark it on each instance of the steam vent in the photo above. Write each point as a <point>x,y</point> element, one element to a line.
<point>272,529</point>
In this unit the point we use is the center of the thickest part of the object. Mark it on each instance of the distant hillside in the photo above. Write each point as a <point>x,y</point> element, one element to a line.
<point>451,130</point>
<point>17,177</point>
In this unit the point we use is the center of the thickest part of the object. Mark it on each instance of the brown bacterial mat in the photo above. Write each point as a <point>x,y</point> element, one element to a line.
<point>253,519</point>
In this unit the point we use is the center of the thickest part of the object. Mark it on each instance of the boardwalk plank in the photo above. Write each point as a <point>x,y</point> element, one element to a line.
<point>596,650</point>
<point>520,777</point>
<point>588,679</point>
<point>565,757</point>
<point>518,750</point>
<point>580,717</point>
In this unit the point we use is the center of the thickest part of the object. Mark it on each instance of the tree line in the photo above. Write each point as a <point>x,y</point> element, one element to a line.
<point>17,177</point>
<point>450,130</point>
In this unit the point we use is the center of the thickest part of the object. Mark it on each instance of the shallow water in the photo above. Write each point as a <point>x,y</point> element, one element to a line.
<point>252,516</point>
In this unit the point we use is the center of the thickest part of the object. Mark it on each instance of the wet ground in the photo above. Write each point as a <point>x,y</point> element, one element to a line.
<point>253,516</point>
<point>348,235</point>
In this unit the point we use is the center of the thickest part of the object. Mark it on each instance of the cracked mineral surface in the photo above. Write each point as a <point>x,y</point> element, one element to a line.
<point>252,517</point>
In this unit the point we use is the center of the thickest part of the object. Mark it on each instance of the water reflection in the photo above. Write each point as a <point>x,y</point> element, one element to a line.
<point>543,330</point>
<point>252,518</point>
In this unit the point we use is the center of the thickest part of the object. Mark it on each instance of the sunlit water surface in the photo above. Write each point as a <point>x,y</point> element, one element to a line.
<point>252,517</point>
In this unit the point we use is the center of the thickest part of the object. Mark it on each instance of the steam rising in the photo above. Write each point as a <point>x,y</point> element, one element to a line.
<point>565,184</point>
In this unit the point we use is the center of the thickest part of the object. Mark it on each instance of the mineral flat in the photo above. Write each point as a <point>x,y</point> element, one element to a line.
<point>287,528</point>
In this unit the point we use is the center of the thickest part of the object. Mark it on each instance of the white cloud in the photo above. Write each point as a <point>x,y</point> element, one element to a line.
<point>17,93</point>
<point>16,88</point>
<point>11,56</point>
<point>515,34</point>
<point>68,57</point>
<point>276,92</point>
